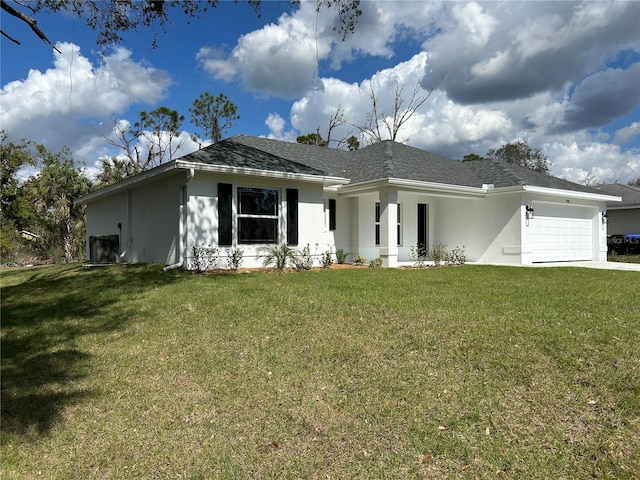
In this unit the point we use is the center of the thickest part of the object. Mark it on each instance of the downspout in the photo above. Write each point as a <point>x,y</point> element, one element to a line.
<point>183,223</point>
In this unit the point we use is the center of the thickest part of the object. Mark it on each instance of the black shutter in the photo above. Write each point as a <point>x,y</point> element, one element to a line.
<point>332,214</point>
<point>225,214</point>
<point>292,216</point>
<point>422,229</point>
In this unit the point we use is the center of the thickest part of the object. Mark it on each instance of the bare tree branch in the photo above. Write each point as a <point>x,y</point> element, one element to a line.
<point>378,122</point>
<point>29,21</point>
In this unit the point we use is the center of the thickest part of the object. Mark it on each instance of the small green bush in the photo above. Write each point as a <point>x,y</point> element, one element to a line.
<point>438,253</point>
<point>359,260</point>
<point>341,256</point>
<point>418,254</point>
<point>302,260</point>
<point>205,257</point>
<point>375,263</point>
<point>326,260</point>
<point>234,258</point>
<point>277,256</point>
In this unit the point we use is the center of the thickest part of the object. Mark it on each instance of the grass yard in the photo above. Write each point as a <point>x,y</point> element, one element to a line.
<point>613,257</point>
<point>456,372</point>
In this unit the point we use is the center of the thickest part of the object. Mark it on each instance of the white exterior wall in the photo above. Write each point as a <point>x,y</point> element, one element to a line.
<point>313,228</point>
<point>103,218</point>
<point>155,220</point>
<point>488,228</point>
<point>341,236</point>
<point>149,216</point>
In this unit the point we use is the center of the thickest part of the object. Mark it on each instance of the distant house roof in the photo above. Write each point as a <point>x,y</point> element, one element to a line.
<point>381,160</point>
<point>630,195</point>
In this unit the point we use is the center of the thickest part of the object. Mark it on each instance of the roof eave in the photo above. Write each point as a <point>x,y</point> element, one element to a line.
<point>556,192</point>
<point>255,172</point>
<point>440,189</point>
<point>127,183</point>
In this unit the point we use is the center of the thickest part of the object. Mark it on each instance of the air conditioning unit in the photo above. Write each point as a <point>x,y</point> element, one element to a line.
<point>104,248</point>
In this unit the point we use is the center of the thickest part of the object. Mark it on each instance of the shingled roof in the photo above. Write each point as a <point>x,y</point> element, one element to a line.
<point>630,195</point>
<point>503,174</point>
<point>381,160</point>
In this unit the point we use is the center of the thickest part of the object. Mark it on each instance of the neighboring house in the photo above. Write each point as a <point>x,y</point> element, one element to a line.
<point>379,201</point>
<point>623,218</point>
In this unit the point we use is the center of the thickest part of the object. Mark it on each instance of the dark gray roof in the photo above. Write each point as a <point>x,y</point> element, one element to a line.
<point>630,195</point>
<point>236,154</point>
<point>377,161</point>
<point>394,160</point>
<point>503,174</point>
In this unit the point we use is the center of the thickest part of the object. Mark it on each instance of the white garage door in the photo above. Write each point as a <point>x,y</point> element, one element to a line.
<point>562,233</point>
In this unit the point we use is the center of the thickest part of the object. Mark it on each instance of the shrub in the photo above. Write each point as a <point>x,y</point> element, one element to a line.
<point>418,254</point>
<point>438,253</point>
<point>341,256</point>
<point>205,257</point>
<point>234,258</point>
<point>326,260</point>
<point>359,260</point>
<point>277,256</point>
<point>375,263</point>
<point>302,260</point>
<point>457,256</point>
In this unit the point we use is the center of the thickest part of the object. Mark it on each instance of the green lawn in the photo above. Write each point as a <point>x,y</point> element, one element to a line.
<point>452,372</point>
<point>612,257</point>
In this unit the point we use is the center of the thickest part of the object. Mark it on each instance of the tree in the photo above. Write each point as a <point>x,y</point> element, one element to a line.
<point>160,127</point>
<point>635,183</point>
<point>380,126</point>
<point>14,156</point>
<point>214,115</point>
<point>51,195</point>
<point>520,153</point>
<point>312,139</point>
<point>472,157</point>
<point>113,170</point>
<point>337,119</point>
<point>151,140</point>
<point>353,143</point>
<point>112,19</point>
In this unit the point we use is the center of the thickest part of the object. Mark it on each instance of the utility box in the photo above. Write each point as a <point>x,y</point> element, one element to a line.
<point>104,248</point>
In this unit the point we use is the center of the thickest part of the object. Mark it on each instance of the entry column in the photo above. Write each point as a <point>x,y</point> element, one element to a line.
<point>388,227</point>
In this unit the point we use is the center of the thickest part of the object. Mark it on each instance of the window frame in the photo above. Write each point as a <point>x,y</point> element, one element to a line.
<point>272,217</point>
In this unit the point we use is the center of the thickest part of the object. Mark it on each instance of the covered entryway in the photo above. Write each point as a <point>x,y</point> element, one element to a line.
<point>562,233</point>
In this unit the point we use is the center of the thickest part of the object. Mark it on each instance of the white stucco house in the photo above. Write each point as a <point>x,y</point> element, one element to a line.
<point>247,192</point>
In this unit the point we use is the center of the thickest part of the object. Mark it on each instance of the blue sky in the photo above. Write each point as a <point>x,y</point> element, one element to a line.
<point>562,76</point>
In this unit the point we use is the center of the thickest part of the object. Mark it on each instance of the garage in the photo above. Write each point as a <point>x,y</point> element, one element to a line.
<point>562,233</point>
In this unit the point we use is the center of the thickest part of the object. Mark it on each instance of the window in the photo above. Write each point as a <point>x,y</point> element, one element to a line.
<point>398,225</point>
<point>332,214</point>
<point>257,215</point>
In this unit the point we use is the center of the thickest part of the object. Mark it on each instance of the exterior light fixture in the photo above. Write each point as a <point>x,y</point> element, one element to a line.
<point>529,212</point>
<point>605,217</point>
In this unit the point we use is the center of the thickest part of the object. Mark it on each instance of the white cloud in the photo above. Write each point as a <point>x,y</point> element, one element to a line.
<point>604,163</point>
<point>477,24</point>
<point>281,59</point>
<point>532,47</point>
<point>627,134</point>
<point>70,104</point>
